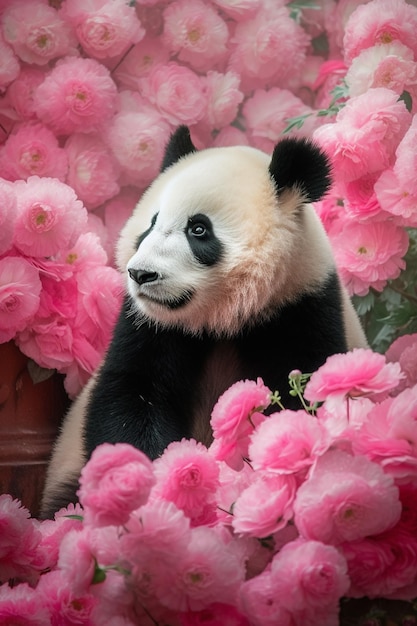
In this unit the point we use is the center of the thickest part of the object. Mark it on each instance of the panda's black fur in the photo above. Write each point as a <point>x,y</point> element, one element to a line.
<point>159,381</point>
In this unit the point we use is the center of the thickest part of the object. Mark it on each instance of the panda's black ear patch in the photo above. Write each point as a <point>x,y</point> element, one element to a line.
<point>301,164</point>
<point>179,145</point>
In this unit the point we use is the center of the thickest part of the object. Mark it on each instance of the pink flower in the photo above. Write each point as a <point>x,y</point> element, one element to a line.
<point>76,561</point>
<point>53,531</point>
<point>260,41</point>
<point>49,217</point>
<point>19,538</point>
<point>360,372</point>
<point>389,435</point>
<point>142,58</point>
<point>34,149</point>
<point>309,575</point>
<point>287,442</point>
<point>265,506</point>
<point>187,476</point>
<point>177,92</point>
<point>223,98</point>
<point>64,605</point>
<point>261,604</point>
<point>369,254</point>
<point>116,213</point>
<point>104,29</point>
<point>380,22</point>
<point>208,570</point>
<point>239,10</point>
<point>196,33</point>
<point>10,67</point>
<point>216,614</point>
<point>76,95</point>
<point>404,351</point>
<point>20,288</point>
<point>137,141</point>
<point>267,114</point>
<point>361,201</point>
<point>383,565</point>
<point>117,479</point>
<point>22,606</point>
<point>234,417</point>
<point>346,498</point>
<point>37,32</point>
<point>93,172</point>
<point>230,136</point>
<point>391,66</point>
<point>7,214</point>
<point>21,92</point>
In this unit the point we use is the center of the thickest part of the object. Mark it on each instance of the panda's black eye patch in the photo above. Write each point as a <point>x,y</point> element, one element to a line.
<point>202,240</point>
<point>146,232</point>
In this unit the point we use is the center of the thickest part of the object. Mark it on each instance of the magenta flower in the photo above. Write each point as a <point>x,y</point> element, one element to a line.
<point>117,479</point>
<point>346,498</point>
<point>76,95</point>
<point>360,372</point>
<point>50,217</point>
<point>22,606</point>
<point>20,288</point>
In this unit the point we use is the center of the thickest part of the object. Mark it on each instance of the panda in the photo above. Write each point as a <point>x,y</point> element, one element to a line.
<point>229,276</point>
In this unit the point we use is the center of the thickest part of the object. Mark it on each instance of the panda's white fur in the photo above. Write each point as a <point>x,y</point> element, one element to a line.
<point>272,254</point>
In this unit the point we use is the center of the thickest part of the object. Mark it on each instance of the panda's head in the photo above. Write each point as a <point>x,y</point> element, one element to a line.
<point>224,236</point>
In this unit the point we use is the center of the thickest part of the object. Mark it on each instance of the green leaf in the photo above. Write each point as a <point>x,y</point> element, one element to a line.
<point>407,99</point>
<point>99,575</point>
<point>77,517</point>
<point>363,304</point>
<point>295,122</point>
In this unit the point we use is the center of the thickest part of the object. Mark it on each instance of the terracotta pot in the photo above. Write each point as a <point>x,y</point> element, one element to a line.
<point>30,415</point>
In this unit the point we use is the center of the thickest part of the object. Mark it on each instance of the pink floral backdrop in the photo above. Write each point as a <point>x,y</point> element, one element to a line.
<point>236,534</point>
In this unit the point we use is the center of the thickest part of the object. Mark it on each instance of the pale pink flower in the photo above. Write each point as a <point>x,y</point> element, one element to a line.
<point>366,133</point>
<point>177,92</point>
<point>19,539</point>
<point>21,92</point>
<point>329,75</point>
<point>37,32</point>
<point>32,149</point>
<point>208,570</point>
<point>196,33</point>
<point>404,351</point>
<point>336,16</point>
<point>380,22</point>
<point>391,66</point>
<point>239,10</point>
<point>341,417</point>
<point>369,254</point>
<point>265,506</point>
<point>76,561</point>
<point>92,172</point>
<point>187,475</point>
<point>267,112</point>
<point>259,601</point>
<point>360,372</point>
<point>232,484</point>
<point>216,614</point>
<point>20,289</point>
<point>137,141</point>
<point>10,68</point>
<point>234,418</point>
<point>50,217</point>
<point>116,213</point>
<point>223,98</point>
<point>383,565</point>
<point>346,498</point>
<point>8,206</point>
<point>361,201</point>
<point>140,60</point>
<point>230,136</point>
<point>260,41</point>
<point>22,606</point>
<point>116,480</point>
<point>104,29</point>
<point>76,95</point>
<point>309,575</point>
<point>86,252</point>
<point>64,605</point>
<point>287,442</point>
<point>389,435</point>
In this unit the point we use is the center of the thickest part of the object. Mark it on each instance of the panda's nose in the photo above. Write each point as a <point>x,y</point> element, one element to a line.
<point>142,276</point>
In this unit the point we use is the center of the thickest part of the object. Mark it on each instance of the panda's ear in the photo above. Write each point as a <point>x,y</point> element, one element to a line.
<point>179,145</point>
<point>301,165</point>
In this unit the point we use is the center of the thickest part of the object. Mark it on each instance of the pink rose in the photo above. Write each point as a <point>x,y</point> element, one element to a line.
<point>117,479</point>
<point>404,351</point>
<point>20,289</point>
<point>346,498</point>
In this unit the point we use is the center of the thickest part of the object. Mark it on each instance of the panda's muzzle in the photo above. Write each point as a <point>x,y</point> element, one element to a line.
<point>142,276</point>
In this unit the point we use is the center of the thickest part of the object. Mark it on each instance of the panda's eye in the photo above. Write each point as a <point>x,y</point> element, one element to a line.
<point>197,230</point>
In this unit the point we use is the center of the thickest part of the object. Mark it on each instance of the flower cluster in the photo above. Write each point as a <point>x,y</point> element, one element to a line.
<point>283,515</point>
